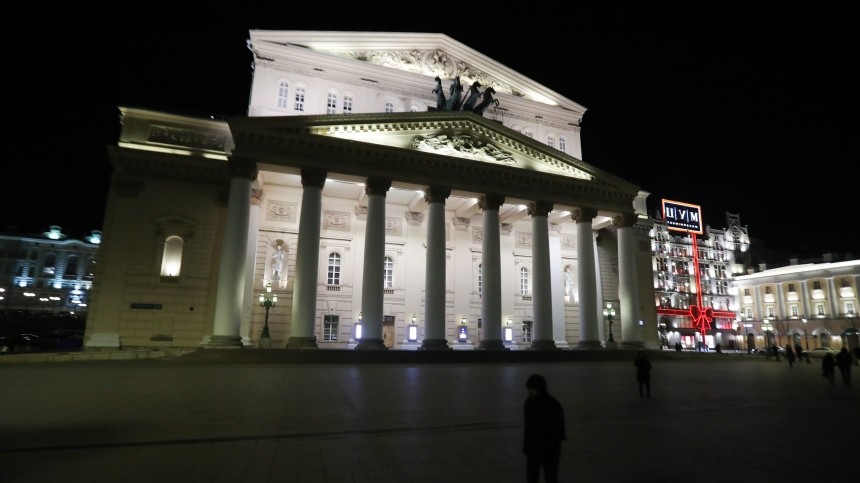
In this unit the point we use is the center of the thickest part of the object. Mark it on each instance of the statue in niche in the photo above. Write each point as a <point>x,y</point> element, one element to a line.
<point>278,263</point>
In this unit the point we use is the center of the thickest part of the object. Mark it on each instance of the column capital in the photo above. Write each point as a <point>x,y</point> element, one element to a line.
<point>313,177</point>
<point>243,167</point>
<point>491,201</point>
<point>437,194</point>
<point>540,208</point>
<point>583,214</point>
<point>624,220</point>
<point>377,186</point>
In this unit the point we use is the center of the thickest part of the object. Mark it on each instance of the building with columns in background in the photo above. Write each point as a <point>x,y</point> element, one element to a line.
<point>394,190</point>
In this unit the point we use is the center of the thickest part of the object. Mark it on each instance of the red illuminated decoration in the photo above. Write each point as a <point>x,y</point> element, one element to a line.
<point>701,316</point>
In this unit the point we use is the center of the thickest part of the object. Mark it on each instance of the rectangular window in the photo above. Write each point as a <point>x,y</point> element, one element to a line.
<point>816,285</point>
<point>283,90</point>
<point>347,105</point>
<point>793,310</point>
<point>819,309</point>
<point>330,323</point>
<point>748,312</point>
<point>527,331</point>
<point>770,313</point>
<point>791,287</point>
<point>849,308</point>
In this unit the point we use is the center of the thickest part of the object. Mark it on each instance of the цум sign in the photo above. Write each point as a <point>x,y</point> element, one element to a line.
<point>682,216</point>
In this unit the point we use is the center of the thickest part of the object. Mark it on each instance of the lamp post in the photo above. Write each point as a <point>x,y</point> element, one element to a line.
<point>267,301</point>
<point>805,333</point>
<point>609,313</point>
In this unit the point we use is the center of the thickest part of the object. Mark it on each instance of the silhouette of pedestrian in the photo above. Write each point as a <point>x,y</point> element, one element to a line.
<point>857,355</point>
<point>798,351</point>
<point>543,431</point>
<point>843,361</point>
<point>643,372</point>
<point>827,365</point>
<point>789,354</point>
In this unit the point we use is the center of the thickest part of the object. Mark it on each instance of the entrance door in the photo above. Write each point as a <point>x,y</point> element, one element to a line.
<point>388,331</point>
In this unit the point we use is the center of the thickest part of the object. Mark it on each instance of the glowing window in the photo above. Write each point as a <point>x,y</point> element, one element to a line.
<point>330,323</point>
<point>171,258</point>
<point>333,269</point>
<point>524,281</point>
<point>388,273</point>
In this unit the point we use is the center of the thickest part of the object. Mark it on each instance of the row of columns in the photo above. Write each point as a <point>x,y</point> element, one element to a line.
<point>231,275</point>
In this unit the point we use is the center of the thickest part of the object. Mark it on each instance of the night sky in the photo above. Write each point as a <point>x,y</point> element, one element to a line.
<point>752,110</point>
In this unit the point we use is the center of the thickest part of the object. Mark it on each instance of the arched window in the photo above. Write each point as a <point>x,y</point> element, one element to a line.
<point>562,145</point>
<point>300,98</point>
<point>331,104</point>
<point>347,104</point>
<point>389,106</point>
<point>50,265</point>
<point>388,273</point>
<point>283,94</point>
<point>171,258</point>
<point>527,131</point>
<point>550,141</point>
<point>333,269</point>
<point>480,278</point>
<point>71,268</point>
<point>524,281</point>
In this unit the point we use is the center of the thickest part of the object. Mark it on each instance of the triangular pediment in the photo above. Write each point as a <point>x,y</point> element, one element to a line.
<point>461,135</point>
<point>429,54</point>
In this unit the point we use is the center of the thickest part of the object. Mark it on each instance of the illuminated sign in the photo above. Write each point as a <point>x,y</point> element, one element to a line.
<point>682,216</point>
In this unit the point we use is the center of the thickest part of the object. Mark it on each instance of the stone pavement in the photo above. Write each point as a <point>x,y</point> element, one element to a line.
<point>263,416</point>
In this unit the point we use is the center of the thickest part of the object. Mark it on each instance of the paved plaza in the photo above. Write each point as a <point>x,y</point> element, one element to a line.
<point>238,417</point>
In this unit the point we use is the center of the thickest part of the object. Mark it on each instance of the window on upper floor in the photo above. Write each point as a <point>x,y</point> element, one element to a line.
<point>524,281</point>
<point>71,268</point>
<point>562,145</point>
<point>388,273</point>
<point>347,104</point>
<point>171,256</point>
<point>50,265</point>
<point>550,141</point>
<point>816,285</point>
<point>331,103</point>
<point>845,282</point>
<point>819,309</point>
<point>849,308</point>
<point>527,132</point>
<point>389,106</point>
<point>793,310</point>
<point>747,292</point>
<point>770,312</point>
<point>480,277</point>
<point>300,99</point>
<point>791,287</point>
<point>333,277</point>
<point>283,94</point>
<point>767,290</point>
<point>748,312</point>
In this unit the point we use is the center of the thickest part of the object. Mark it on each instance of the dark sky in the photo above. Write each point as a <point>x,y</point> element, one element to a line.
<point>751,110</point>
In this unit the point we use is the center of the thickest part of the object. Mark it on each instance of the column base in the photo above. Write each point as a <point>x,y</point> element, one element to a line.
<point>370,345</point>
<point>302,343</point>
<point>224,342</point>
<point>265,342</point>
<point>492,345</point>
<point>632,345</point>
<point>543,345</point>
<point>434,345</point>
<point>611,345</point>
<point>589,344</point>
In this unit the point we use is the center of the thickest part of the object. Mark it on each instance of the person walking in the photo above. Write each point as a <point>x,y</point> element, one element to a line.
<point>789,354</point>
<point>643,372</point>
<point>827,365</point>
<point>543,431</point>
<point>843,361</point>
<point>798,351</point>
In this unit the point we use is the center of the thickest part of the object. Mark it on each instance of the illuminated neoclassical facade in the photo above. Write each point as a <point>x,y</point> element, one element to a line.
<point>385,209</point>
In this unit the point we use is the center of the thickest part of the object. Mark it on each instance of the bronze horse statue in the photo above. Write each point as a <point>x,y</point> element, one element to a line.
<point>455,94</point>
<point>487,100</point>
<point>440,94</point>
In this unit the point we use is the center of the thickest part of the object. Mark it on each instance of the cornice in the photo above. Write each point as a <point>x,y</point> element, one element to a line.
<point>134,163</point>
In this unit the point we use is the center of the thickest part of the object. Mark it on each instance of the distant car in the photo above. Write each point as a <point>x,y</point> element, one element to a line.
<point>820,352</point>
<point>765,351</point>
<point>19,343</point>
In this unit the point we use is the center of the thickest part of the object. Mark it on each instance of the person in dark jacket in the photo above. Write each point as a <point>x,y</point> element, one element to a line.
<point>789,354</point>
<point>643,372</point>
<point>843,362</point>
<point>827,365</point>
<point>544,430</point>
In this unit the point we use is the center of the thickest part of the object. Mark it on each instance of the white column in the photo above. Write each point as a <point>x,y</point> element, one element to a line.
<point>305,281</point>
<point>587,279</point>
<point>542,283</point>
<point>372,293</point>
<point>631,333</point>
<point>250,260</point>
<point>434,274</point>
<point>231,273</point>
<point>491,274</point>
<point>833,296</point>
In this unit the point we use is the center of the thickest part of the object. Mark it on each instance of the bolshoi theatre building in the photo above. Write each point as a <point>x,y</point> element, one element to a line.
<point>385,191</point>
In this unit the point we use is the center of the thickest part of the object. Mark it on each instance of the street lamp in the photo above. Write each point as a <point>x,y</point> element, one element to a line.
<point>267,301</point>
<point>805,333</point>
<point>609,312</point>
